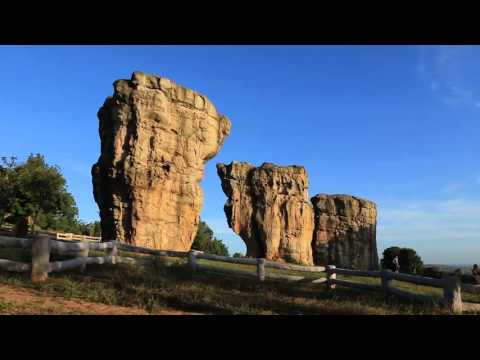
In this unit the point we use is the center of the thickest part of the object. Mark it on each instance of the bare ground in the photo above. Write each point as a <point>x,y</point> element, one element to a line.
<point>15,301</point>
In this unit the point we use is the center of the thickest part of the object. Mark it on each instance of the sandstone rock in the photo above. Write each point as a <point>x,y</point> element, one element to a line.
<point>268,208</point>
<point>345,231</point>
<point>155,139</point>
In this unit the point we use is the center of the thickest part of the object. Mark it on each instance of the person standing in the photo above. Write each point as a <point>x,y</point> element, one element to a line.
<point>396,264</point>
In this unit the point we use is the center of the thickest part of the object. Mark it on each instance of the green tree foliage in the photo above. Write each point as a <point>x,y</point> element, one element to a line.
<point>36,191</point>
<point>238,255</point>
<point>409,261</point>
<point>205,241</point>
<point>8,184</point>
<point>89,229</point>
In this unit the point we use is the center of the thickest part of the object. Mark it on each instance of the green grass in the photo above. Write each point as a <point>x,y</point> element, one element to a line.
<point>168,282</point>
<point>173,285</point>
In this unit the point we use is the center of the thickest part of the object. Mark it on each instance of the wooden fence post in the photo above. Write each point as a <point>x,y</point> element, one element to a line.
<point>330,276</point>
<point>40,258</point>
<point>192,260</point>
<point>113,252</point>
<point>261,269</point>
<point>84,254</point>
<point>452,294</point>
<point>386,282</point>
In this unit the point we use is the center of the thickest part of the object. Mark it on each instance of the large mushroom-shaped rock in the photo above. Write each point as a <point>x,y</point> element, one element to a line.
<point>345,232</point>
<point>268,207</point>
<point>155,139</point>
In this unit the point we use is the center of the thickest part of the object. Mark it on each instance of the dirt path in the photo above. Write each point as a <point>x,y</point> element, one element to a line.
<point>17,300</point>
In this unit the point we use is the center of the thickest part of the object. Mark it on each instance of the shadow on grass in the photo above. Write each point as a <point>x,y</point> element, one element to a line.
<point>167,284</point>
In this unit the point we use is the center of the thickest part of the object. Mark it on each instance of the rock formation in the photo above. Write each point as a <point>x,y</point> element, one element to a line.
<point>268,207</point>
<point>345,231</point>
<point>155,139</point>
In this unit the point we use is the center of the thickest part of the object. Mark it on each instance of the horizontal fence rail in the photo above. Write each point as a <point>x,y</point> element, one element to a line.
<point>451,286</point>
<point>45,244</point>
<point>358,272</point>
<point>70,236</point>
<point>142,250</point>
<point>415,279</point>
<point>293,267</point>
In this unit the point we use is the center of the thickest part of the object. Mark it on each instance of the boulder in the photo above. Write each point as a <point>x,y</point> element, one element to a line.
<point>268,207</point>
<point>155,136</point>
<point>345,232</point>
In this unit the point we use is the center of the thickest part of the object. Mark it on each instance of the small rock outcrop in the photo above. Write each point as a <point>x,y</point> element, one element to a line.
<point>155,139</point>
<point>268,207</point>
<point>345,231</point>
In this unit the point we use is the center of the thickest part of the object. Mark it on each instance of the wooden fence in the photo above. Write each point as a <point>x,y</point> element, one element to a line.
<point>451,285</point>
<point>43,245</point>
<point>70,236</point>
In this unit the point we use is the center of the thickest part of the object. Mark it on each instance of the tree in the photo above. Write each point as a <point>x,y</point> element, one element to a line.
<point>89,229</point>
<point>410,262</point>
<point>205,241</point>
<point>8,184</point>
<point>36,195</point>
<point>238,255</point>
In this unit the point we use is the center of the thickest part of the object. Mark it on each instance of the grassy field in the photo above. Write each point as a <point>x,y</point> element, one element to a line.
<point>169,283</point>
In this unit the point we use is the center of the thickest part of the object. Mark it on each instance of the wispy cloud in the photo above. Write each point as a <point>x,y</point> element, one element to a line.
<point>433,228</point>
<point>444,70</point>
<point>456,95</point>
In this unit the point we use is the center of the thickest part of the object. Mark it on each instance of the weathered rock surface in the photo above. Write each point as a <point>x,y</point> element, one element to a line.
<point>155,139</point>
<point>268,207</point>
<point>345,231</point>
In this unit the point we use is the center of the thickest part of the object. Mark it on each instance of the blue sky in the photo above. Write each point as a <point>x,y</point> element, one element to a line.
<point>398,125</point>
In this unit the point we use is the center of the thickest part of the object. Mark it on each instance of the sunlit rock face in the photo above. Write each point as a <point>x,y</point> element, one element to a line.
<point>156,137</point>
<point>269,208</point>
<point>345,231</point>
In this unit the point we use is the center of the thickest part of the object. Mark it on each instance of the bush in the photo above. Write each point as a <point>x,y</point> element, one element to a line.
<point>238,255</point>
<point>410,262</point>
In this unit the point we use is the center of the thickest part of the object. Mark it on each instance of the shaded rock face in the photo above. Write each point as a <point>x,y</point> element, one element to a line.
<point>268,207</point>
<point>155,139</point>
<point>345,232</point>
